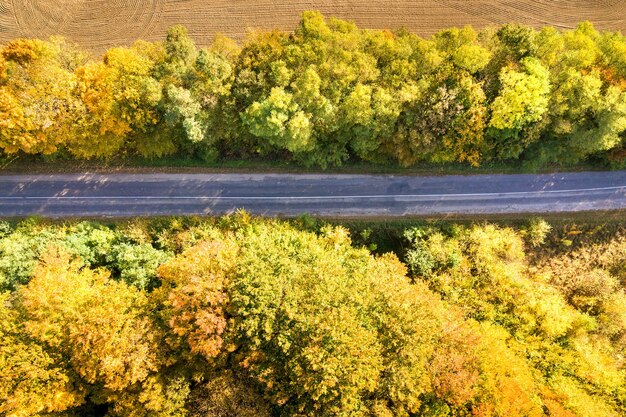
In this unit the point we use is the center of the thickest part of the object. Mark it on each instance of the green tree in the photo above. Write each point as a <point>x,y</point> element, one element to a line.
<point>446,124</point>
<point>136,264</point>
<point>211,88</point>
<point>522,103</point>
<point>323,345</point>
<point>278,120</point>
<point>183,119</point>
<point>586,108</point>
<point>19,253</point>
<point>461,47</point>
<point>319,98</point>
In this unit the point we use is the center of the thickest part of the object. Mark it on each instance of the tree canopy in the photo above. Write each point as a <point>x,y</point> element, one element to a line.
<point>327,93</point>
<point>244,316</point>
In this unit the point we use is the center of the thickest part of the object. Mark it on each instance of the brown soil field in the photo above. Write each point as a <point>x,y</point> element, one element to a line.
<point>99,24</point>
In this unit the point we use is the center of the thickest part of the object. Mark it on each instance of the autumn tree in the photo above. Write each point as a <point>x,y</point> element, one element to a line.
<point>521,103</point>
<point>547,331</point>
<point>587,113</point>
<point>98,328</point>
<point>33,380</point>
<point>335,341</point>
<point>446,124</point>
<point>321,98</point>
<point>98,132</point>
<point>120,96</point>
<point>194,296</point>
<point>37,109</point>
<point>257,317</point>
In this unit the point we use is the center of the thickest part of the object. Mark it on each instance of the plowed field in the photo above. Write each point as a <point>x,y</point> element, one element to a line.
<point>98,24</point>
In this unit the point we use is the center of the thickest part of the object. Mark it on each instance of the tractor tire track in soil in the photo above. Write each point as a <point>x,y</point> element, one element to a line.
<point>99,24</point>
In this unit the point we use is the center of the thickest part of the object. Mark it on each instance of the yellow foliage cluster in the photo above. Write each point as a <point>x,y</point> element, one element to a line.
<point>326,93</point>
<point>254,317</point>
<point>556,322</point>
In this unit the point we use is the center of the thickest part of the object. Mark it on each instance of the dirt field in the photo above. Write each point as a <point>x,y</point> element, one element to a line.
<point>99,24</point>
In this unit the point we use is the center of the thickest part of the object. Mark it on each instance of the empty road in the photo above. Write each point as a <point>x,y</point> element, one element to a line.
<point>115,195</point>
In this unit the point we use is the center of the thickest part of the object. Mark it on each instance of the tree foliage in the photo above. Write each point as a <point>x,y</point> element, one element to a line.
<point>543,319</point>
<point>36,101</point>
<point>327,93</point>
<point>247,316</point>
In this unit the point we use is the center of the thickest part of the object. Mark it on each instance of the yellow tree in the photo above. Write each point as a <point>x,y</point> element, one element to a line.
<point>194,295</point>
<point>328,329</point>
<point>120,98</point>
<point>36,104</point>
<point>33,380</point>
<point>521,103</point>
<point>98,327</point>
<point>97,132</point>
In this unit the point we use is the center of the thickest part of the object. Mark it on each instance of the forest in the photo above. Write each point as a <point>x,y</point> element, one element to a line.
<point>243,316</point>
<point>240,316</point>
<point>327,94</point>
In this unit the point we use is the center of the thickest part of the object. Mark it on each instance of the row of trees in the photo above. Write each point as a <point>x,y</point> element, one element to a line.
<point>248,317</point>
<point>324,94</point>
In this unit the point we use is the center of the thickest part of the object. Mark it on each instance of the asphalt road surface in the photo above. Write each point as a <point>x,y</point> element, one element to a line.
<point>290,195</point>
